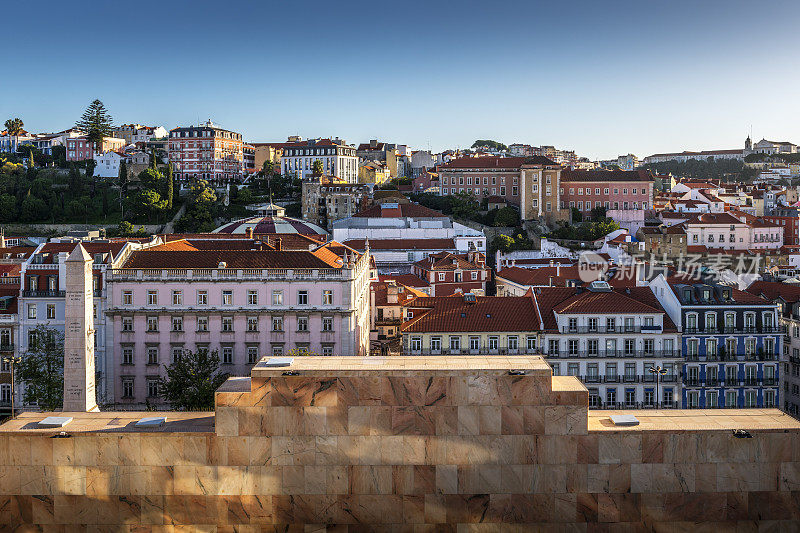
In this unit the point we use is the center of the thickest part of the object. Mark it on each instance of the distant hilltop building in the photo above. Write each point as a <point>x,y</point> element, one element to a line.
<point>761,147</point>
<point>206,152</point>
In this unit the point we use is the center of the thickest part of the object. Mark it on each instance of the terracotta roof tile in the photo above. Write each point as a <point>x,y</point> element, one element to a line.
<point>488,313</point>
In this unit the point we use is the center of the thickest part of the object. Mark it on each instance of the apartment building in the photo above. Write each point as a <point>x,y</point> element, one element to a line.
<point>338,159</point>
<point>787,298</point>
<point>611,189</point>
<point>470,324</point>
<point>241,298</point>
<point>530,183</point>
<point>611,339</point>
<point>447,273</point>
<point>81,148</point>
<point>138,134</point>
<point>326,199</point>
<point>731,341</point>
<point>11,259</point>
<point>206,152</point>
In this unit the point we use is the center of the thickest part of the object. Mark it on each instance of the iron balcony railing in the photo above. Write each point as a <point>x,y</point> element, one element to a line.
<point>597,404</point>
<point>43,294</point>
<point>735,330</point>
<point>769,356</point>
<point>601,354</point>
<point>720,382</point>
<point>611,329</point>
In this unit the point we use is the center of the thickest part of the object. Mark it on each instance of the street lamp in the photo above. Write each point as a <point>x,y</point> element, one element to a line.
<point>11,360</point>
<point>658,371</point>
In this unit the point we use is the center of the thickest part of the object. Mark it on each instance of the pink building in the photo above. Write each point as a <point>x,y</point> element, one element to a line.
<point>245,298</point>
<point>80,148</point>
<point>612,189</point>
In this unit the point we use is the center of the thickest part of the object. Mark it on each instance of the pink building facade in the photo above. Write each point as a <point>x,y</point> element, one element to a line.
<point>243,313</point>
<point>614,190</point>
<point>81,148</point>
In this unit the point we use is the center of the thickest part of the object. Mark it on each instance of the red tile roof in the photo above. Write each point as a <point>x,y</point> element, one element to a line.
<point>772,290</point>
<point>409,280</point>
<point>539,277</point>
<point>496,162</point>
<point>405,293</point>
<point>450,261</point>
<point>488,313</point>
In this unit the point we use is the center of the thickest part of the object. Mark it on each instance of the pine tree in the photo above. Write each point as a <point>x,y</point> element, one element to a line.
<point>170,187</point>
<point>123,176</point>
<point>96,123</point>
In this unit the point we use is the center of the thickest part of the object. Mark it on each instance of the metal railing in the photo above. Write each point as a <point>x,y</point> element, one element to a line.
<point>613,329</point>
<point>600,354</point>
<point>43,294</point>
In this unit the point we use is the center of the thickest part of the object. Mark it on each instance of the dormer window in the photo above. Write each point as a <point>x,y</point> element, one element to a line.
<point>706,294</point>
<point>687,294</point>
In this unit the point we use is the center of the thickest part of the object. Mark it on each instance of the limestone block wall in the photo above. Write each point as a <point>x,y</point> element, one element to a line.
<point>410,450</point>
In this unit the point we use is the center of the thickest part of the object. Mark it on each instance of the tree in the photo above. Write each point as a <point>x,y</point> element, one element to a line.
<point>33,209</point>
<point>123,176</point>
<point>42,369</point>
<point>8,208</point>
<point>492,145</point>
<point>317,168</point>
<point>507,216</point>
<point>96,123</point>
<point>170,187</point>
<point>150,201</point>
<point>14,126</point>
<point>192,379</point>
<point>598,213</point>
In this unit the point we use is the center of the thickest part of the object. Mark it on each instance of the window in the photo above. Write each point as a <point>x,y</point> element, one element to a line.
<point>512,342</point>
<point>177,323</point>
<point>152,297</point>
<point>252,323</point>
<point>252,354</point>
<point>573,369</point>
<point>436,344</point>
<point>51,311</point>
<point>302,297</point>
<point>177,352</point>
<point>327,349</point>
<point>202,297</point>
<point>277,297</point>
<point>177,297</point>
<point>277,323</point>
<point>750,398</point>
<point>474,274</point>
<point>127,355</point>
<point>531,344</point>
<point>455,343</point>
<point>227,323</point>
<point>327,297</point>
<point>202,323</point>
<point>227,297</point>
<point>302,323</point>
<point>127,323</point>
<point>441,276</point>
<point>327,323</point>
<point>227,355</point>
<point>769,398</point>
<point>152,355</point>
<point>416,344</point>
<point>32,311</point>
<point>127,297</point>
<point>152,388</point>
<point>127,387</point>
<point>252,297</point>
<point>152,323</point>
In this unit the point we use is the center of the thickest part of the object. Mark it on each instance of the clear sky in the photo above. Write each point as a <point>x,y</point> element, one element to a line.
<point>601,77</point>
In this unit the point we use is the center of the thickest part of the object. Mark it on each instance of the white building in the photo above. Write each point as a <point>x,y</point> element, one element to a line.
<point>401,234</point>
<point>610,339</point>
<point>107,164</point>
<point>338,159</point>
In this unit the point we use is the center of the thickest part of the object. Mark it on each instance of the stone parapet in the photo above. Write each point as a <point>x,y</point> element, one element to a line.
<point>459,443</point>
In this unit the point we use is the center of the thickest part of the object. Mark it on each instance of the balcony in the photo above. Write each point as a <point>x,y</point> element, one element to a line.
<point>613,354</point>
<point>614,329</point>
<point>597,404</point>
<point>43,294</point>
<point>7,347</point>
<point>735,330</point>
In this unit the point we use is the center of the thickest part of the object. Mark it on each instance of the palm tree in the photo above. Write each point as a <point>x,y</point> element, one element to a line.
<point>14,126</point>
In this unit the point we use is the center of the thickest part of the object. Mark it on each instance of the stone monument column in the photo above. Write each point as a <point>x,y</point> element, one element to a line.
<point>79,374</point>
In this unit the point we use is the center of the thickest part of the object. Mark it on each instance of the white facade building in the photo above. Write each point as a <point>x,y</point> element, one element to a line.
<point>338,159</point>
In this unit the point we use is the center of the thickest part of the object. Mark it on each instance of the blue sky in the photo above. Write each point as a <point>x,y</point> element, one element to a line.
<point>602,78</point>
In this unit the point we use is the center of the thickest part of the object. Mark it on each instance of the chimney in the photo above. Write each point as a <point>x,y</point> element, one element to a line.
<point>558,269</point>
<point>248,232</point>
<point>278,244</point>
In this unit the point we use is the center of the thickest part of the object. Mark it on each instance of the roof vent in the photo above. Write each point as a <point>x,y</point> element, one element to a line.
<point>279,361</point>
<point>624,420</point>
<point>151,422</point>
<point>470,298</point>
<point>55,422</point>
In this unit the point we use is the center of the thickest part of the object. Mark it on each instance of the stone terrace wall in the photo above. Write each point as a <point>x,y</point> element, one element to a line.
<point>403,450</point>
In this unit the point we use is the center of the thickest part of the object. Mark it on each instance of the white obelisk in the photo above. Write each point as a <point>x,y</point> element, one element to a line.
<point>79,385</point>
